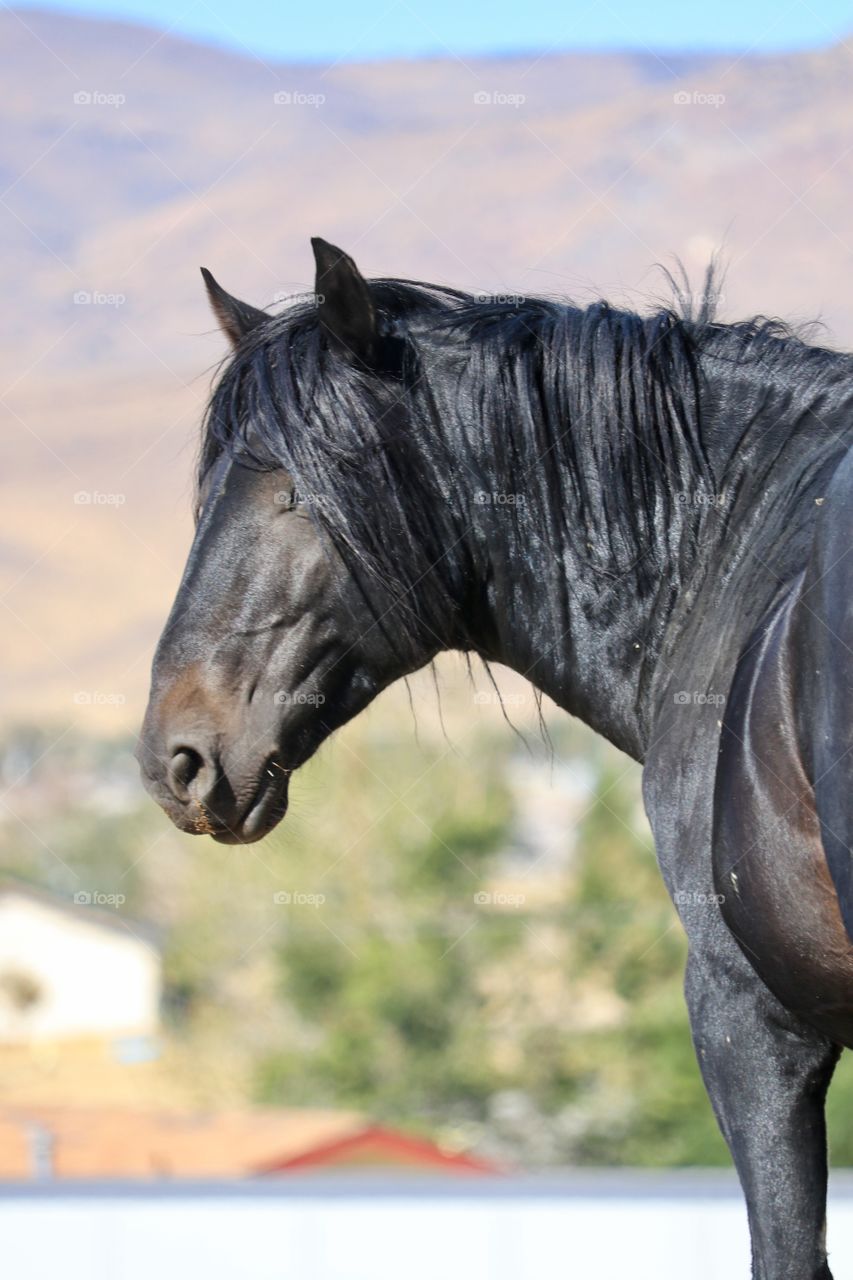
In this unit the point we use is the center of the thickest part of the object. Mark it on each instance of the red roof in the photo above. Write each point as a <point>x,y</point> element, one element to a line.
<point>124,1142</point>
<point>129,1142</point>
<point>380,1148</point>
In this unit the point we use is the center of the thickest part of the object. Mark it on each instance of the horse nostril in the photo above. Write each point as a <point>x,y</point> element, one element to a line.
<point>185,766</point>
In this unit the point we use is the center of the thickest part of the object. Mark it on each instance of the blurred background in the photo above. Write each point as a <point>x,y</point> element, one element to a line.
<point>456,958</point>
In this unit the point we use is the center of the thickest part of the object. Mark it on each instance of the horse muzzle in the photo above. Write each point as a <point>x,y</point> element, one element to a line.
<point>203,797</point>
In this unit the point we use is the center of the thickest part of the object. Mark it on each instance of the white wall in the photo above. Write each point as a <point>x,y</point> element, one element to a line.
<point>94,979</point>
<point>350,1235</point>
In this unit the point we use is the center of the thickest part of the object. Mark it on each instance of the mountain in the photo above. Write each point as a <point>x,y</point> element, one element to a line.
<point>129,157</point>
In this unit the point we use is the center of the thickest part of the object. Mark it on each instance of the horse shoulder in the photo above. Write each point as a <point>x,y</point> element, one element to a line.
<point>771,873</point>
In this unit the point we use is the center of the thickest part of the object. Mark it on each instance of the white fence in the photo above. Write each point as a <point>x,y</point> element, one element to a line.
<point>620,1226</point>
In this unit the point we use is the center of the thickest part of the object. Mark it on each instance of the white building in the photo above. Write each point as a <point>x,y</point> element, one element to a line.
<point>73,969</point>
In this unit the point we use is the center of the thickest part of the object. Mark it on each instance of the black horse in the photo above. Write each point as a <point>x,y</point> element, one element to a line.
<point>648,516</point>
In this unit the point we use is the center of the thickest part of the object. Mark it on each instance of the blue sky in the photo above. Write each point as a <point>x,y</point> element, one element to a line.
<point>328,30</point>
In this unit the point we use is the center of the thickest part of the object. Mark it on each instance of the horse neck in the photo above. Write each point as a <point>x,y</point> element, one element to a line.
<point>600,665</point>
<point>590,635</point>
<point>579,542</point>
<point>650,467</point>
<point>609,638</point>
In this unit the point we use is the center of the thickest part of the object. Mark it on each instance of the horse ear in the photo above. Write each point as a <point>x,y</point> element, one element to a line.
<point>345,304</point>
<point>235,317</point>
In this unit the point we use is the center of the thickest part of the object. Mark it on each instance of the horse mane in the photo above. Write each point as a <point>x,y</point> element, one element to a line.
<point>518,436</point>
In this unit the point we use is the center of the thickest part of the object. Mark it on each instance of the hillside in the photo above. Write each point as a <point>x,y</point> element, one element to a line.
<point>577,174</point>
